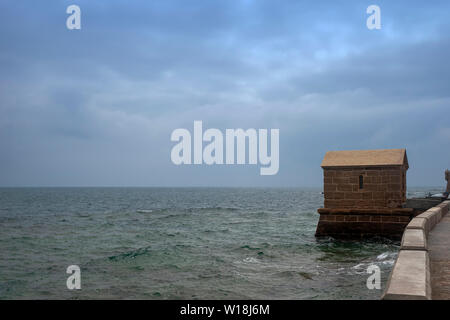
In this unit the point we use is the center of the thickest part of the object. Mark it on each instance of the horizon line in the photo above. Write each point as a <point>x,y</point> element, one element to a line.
<point>205,186</point>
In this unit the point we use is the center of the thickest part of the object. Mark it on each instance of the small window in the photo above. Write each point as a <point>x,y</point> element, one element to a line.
<point>361,182</point>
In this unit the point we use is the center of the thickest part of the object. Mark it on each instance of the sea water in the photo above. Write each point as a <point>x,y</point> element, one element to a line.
<point>179,243</point>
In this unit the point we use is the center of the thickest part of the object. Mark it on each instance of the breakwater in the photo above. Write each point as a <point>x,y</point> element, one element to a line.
<point>422,268</point>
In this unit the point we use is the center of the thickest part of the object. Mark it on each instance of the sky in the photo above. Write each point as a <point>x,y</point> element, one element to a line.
<point>97,106</point>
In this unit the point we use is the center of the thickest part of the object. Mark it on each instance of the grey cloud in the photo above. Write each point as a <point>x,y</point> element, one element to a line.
<point>97,107</point>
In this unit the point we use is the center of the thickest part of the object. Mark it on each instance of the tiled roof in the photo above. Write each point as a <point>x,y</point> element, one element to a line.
<point>365,158</point>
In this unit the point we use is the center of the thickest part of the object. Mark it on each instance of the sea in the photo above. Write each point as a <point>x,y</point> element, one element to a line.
<point>180,243</point>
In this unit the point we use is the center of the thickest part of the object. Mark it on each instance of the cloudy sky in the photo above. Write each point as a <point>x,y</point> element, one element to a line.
<point>96,106</point>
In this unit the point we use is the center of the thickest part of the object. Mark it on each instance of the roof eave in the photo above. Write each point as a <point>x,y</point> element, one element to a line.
<point>364,166</point>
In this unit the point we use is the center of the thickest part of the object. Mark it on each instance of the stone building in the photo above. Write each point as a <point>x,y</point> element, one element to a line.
<point>364,193</point>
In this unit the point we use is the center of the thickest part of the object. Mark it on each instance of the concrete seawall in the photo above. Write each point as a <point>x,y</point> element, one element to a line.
<point>413,272</point>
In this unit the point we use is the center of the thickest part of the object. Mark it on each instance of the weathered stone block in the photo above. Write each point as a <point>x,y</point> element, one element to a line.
<point>394,187</point>
<point>353,195</point>
<point>393,195</point>
<point>378,195</point>
<point>419,223</point>
<point>414,239</point>
<point>444,207</point>
<point>339,173</point>
<point>370,187</point>
<point>410,277</point>
<point>394,203</point>
<point>329,187</point>
<point>389,219</point>
<point>363,203</point>
<point>367,195</point>
<point>379,203</point>
<point>353,180</point>
<point>438,212</point>
<point>432,216</point>
<point>364,218</point>
<point>331,203</point>
<point>328,217</point>
<point>339,195</point>
<point>394,172</point>
<point>344,187</point>
<point>343,181</point>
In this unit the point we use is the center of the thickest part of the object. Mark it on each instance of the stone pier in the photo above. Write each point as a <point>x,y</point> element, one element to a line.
<point>422,268</point>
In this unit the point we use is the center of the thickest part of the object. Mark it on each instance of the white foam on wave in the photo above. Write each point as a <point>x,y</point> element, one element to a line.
<point>383,256</point>
<point>251,260</point>
<point>358,266</point>
<point>144,211</point>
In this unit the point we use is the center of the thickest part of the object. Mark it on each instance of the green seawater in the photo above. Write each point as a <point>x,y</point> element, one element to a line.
<point>179,243</point>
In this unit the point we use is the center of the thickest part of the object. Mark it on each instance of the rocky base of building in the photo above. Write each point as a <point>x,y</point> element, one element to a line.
<point>363,223</point>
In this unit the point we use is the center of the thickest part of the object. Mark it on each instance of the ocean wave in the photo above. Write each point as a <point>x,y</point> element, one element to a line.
<point>83,215</point>
<point>226,230</point>
<point>144,211</point>
<point>387,258</point>
<point>130,254</point>
<point>189,209</point>
<point>211,208</point>
<point>295,274</point>
<point>250,248</point>
<point>383,256</point>
<point>251,260</point>
<point>155,210</point>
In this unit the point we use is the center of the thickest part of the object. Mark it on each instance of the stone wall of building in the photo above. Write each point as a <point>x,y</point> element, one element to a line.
<point>383,187</point>
<point>363,223</point>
